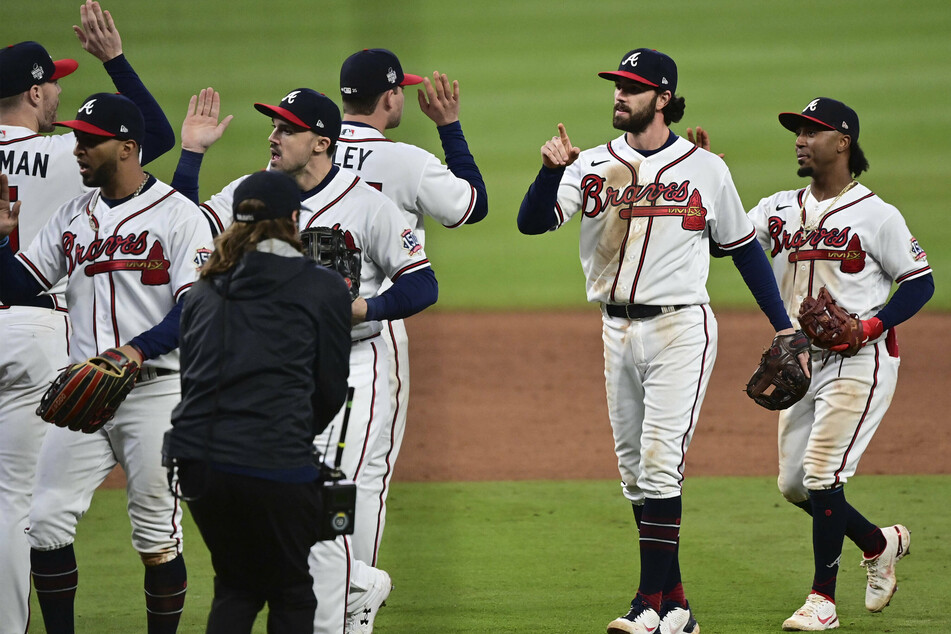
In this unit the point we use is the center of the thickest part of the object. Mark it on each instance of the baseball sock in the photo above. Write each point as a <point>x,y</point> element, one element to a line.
<point>165,595</point>
<point>828,533</point>
<point>659,537</point>
<point>862,532</point>
<point>55,577</point>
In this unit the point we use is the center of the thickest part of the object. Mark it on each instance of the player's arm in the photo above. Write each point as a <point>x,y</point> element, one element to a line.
<point>537,213</point>
<point>98,35</point>
<point>410,294</point>
<point>439,100</point>
<point>332,364</point>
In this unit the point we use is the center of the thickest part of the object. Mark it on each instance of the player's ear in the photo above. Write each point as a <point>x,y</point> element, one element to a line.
<point>128,148</point>
<point>845,143</point>
<point>34,95</point>
<point>663,99</point>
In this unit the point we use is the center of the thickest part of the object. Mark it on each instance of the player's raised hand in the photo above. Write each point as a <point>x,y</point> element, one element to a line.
<point>98,33</point>
<point>201,128</point>
<point>559,152</point>
<point>701,139</point>
<point>439,100</point>
<point>8,214</point>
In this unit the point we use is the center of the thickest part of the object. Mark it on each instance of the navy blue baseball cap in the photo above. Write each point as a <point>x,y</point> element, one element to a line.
<point>27,64</point>
<point>646,66</point>
<point>827,113</point>
<point>108,114</point>
<point>308,109</point>
<point>278,191</point>
<point>372,71</point>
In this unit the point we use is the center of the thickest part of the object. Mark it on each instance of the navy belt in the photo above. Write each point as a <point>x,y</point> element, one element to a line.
<point>638,311</point>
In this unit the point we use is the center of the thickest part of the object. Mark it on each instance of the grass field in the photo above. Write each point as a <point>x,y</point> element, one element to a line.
<point>525,66</point>
<point>560,557</point>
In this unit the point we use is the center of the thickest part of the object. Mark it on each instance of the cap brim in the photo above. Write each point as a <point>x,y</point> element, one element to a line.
<point>85,126</point>
<point>281,113</point>
<point>64,67</point>
<point>792,120</point>
<point>614,75</point>
<point>411,80</point>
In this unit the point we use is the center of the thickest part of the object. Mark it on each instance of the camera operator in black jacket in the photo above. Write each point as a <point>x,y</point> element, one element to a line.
<point>265,346</point>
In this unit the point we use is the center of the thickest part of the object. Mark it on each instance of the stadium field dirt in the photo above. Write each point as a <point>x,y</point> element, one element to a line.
<point>520,396</point>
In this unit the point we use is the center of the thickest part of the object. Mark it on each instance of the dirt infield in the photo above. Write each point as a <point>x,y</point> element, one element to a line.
<point>503,396</point>
<point>516,396</point>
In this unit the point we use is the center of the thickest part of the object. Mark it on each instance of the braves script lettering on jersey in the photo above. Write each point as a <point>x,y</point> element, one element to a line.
<point>390,249</point>
<point>646,221</point>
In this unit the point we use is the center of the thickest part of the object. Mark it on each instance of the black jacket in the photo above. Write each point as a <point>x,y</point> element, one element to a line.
<point>265,356</point>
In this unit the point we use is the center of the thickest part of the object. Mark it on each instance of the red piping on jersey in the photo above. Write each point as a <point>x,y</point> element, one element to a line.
<point>472,202</point>
<point>650,224</point>
<point>184,288</point>
<point>378,140</point>
<point>36,272</point>
<point>22,138</point>
<point>868,405</point>
<point>694,413</point>
<point>407,269</point>
<point>906,276</point>
<point>213,216</point>
<point>333,202</point>
<point>838,209</point>
<point>366,438</point>
<point>561,214</point>
<point>743,240</point>
<point>627,232</point>
<point>346,586</point>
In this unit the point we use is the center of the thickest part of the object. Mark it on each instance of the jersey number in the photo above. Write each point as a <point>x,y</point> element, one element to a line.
<point>15,236</point>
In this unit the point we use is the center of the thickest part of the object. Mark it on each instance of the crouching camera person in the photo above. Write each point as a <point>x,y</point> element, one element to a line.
<point>265,346</point>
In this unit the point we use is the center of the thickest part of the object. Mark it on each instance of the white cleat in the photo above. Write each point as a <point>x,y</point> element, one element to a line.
<point>360,621</point>
<point>642,619</point>
<point>677,620</point>
<point>881,570</point>
<point>816,615</point>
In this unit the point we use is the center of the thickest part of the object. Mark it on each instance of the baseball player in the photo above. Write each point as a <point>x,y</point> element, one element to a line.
<point>371,87</point>
<point>129,248</point>
<point>306,125</point>
<point>650,204</point>
<point>42,173</point>
<point>838,234</point>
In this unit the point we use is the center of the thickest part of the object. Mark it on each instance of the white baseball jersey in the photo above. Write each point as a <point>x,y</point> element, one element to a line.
<point>855,246</point>
<point>413,178</point>
<point>370,220</point>
<point>646,221</point>
<point>126,266</point>
<point>43,175</point>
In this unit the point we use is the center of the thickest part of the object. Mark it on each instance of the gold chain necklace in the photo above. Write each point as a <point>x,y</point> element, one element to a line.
<point>93,223</point>
<point>809,228</point>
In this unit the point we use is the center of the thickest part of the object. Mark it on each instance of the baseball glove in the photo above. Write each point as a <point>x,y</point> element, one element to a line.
<point>829,326</point>
<point>779,368</point>
<point>86,395</point>
<point>331,248</point>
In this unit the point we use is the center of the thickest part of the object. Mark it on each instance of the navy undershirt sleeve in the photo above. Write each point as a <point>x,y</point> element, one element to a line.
<point>537,214</point>
<point>910,297</point>
<point>409,294</point>
<point>163,337</point>
<point>750,260</point>
<point>460,162</point>
<point>159,135</point>
<point>185,179</point>
<point>17,286</point>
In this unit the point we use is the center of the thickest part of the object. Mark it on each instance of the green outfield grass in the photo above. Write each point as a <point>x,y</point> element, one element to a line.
<point>561,557</point>
<point>525,66</point>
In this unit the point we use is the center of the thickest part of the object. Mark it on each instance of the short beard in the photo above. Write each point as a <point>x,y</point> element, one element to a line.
<point>637,122</point>
<point>805,171</point>
<point>102,175</point>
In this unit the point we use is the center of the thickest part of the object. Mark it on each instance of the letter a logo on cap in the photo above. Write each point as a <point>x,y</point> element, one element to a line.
<point>291,96</point>
<point>631,59</point>
<point>87,107</point>
<point>812,105</point>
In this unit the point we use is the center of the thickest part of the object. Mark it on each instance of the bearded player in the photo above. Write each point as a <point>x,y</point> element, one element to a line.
<point>42,174</point>
<point>838,234</point>
<point>650,205</point>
